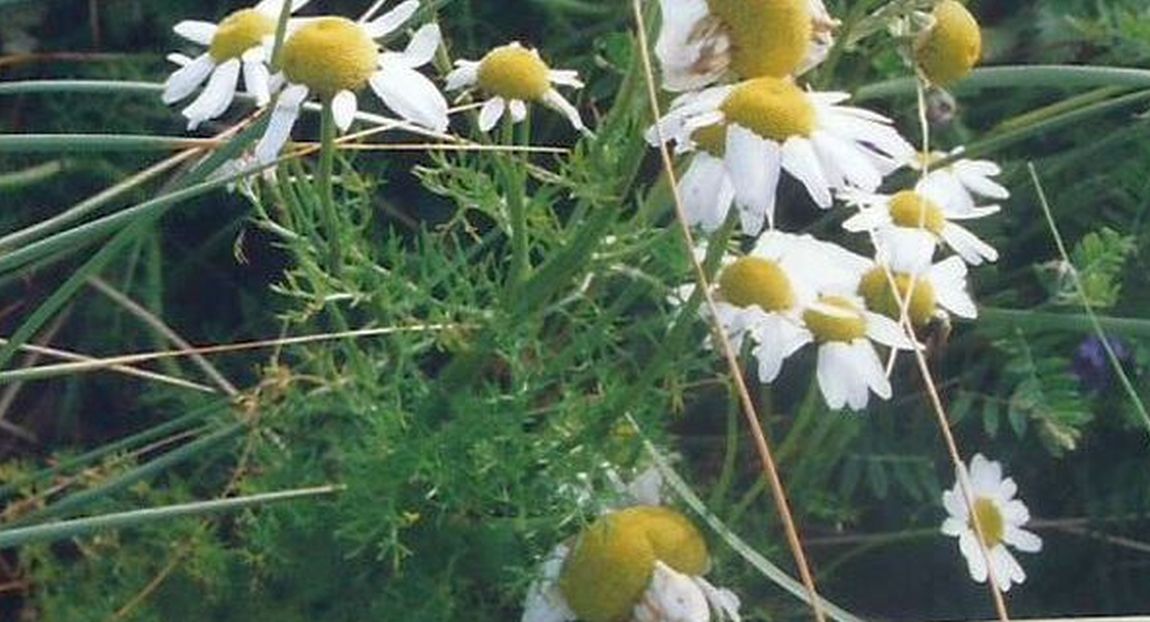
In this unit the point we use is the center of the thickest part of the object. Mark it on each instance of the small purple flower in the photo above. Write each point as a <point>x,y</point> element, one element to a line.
<point>1092,366</point>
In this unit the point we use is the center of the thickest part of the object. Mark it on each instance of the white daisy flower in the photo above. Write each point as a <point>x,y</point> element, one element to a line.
<point>644,564</point>
<point>962,183</point>
<point>335,58</point>
<point>849,368</point>
<point>1000,517</point>
<point>702,40</point>
<point>240,42</point>
<point>923,208</point>
<point>513,75</point>
<point>934,289</point>
<point>762,127</point>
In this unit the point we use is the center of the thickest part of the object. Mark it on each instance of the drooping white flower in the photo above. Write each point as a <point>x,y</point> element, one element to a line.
<point>923,209</point>
<point>335,58</point>
<point>961,184</point>
<point>702,40</point>
<point>762,127</point>
<point>904,257</point>
<point>240,42</point>
<point>643,563</point>
<point>512,76</point>
<point>1000,516</point>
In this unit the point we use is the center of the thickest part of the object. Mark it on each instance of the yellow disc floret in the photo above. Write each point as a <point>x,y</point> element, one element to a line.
<point>240,32</point>
<point>612,562</point>
<point>772,108</point>
<point>949,49</point>
<point>712,139</point>
<point>514,72</point>
<point>912,210</point>
<point>329,55</point>
<point>768,37</point>
<point>991,522</point>
<point>756,281</point>
<point>835,319</point>
<point>876,291</point>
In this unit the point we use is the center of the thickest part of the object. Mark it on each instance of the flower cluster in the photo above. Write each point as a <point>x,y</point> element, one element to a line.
<point>745,121</point>
<point>334,59</point>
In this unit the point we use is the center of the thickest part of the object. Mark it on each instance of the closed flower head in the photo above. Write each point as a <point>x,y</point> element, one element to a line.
<point>951,46</point>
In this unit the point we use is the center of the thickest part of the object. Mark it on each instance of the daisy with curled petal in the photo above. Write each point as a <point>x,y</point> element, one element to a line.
<point>513,76</point>
<point>335,58</point>
<point>922,208</point>
<point>1000,518</point>
<point>241,41</point>
<point>764,126</point>
<point>643,563</point>
<point>933,289</point>
<point>702,40</point>
<point>960,183</point>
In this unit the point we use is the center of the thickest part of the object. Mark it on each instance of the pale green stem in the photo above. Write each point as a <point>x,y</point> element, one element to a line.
<point>326,187</point>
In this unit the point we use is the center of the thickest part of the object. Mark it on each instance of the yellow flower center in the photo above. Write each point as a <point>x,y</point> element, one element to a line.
<point>876,291</point>
<point>329,55</point>
<point>949,49</point>
<point>835,319</point>
<point>990,520</point>
<point>768,37</point>
<point>772,108</point>
<point>756,281</point>
<point>240,32</point>
<point>912,210</point>
<point>513,72</point>
<point>612,562</point>
<point>712,139</point>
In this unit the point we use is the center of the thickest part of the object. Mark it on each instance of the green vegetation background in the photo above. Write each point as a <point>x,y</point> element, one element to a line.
<point>459,448</point>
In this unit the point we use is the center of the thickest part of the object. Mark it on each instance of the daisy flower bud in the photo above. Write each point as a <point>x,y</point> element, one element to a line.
<point>925,209</point>
<point>643,563</point>
<point>240,42</point>
<point>336,58</point>
<point>951,46</point>
<point>766,126</point>
<point>512,76</point>
<point>701,40</point>
<point>1000,517</point>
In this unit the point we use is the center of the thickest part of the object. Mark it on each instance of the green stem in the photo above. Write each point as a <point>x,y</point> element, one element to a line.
<point>514,188</point>
<point>327,189</point>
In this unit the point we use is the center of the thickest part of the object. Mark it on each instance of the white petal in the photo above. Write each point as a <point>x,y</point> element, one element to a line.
<point>953,527</point>
<point>1015,512</point>
<point>280,125</point>
<point>967,245</point>
<point>975,561</point>
<point>689,58</point>
<point>188,78</point>
<point>1022,539</point>
<point>553,99</point>
<point>955,505</point>
<point>343,108</point>
<point>182,60</point>
<point>754,164</point>
<point>216,96</point>
<point>833,373</point>
<point>706,192</point>
<point>411,95</point>
<point>949,280</point>
<point>465,74</point>
<point>800,161</point>
<point>273,8</point>
<point>421,49</point>
<point>778,338</point>
<point>490,113</point>
<point>985,475</point>
<point>256,80</point>
<point>886,331</point>
<point>868,370</point>
<point>672,597</point>
<point>722,600</point>
<point>196,31</point>
<point>518,110</point>
<point>565,77</point>
<point>393,19</point>
<point>851,165</point>
<point>867,220</point>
